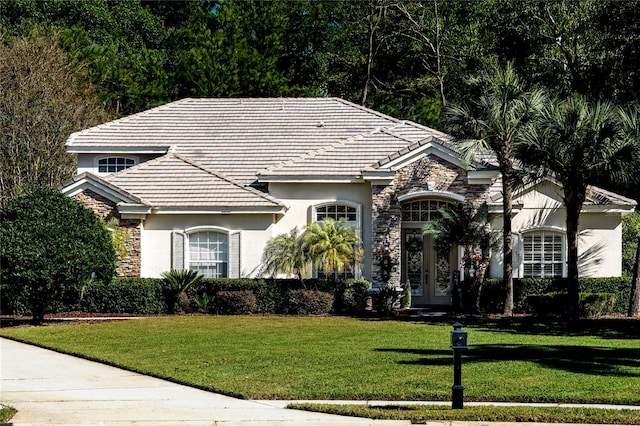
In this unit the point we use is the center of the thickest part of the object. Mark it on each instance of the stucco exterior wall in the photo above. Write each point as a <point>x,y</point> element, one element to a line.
<point>255,231</point>
<point>301,198</point>
<point>600,234</point>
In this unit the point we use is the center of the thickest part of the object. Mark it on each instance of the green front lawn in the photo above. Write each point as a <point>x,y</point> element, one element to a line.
<point>422,413</point>
<point>263,357</point>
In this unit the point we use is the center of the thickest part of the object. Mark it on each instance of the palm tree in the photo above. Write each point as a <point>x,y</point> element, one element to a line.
<point>466,226</point>
<point>332,245</point>
<point>177,283</point>
<point>285,254</point>
<point>630,122</point>
<point>495,122</point>
<point>576,142</point>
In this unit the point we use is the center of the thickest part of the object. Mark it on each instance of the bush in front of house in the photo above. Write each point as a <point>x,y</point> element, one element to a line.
<point>351,297</point>
<point>51,245</point>
<point>492,297</point>
<point>124,295</point>
<point>310,302</point>
<point>592,305</point>
<point>235,302</point>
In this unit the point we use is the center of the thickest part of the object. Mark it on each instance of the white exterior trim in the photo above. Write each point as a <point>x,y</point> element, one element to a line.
<point>431,194</point>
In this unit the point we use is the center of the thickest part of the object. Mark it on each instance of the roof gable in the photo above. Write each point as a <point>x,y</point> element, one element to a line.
<point>173,183</point>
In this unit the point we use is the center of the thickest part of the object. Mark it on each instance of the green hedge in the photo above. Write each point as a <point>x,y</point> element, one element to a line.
<point>592,305</point>
<point>493,292</point>
<point>147,296</point>
<point>235,302</point>
<point>310,302</point>
<point>130,295</point>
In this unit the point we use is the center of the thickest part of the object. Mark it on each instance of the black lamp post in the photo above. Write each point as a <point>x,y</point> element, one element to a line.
<point>458,344</point>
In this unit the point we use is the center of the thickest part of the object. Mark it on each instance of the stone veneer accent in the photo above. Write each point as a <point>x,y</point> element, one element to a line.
<point>427,174</point>
<point>129,265</point>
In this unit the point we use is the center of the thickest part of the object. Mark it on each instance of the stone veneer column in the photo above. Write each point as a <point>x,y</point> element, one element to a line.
<point>129,265</point>
<point>428,174</point>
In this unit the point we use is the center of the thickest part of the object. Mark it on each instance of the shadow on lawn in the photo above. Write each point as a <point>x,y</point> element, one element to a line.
<point>576,359</point>
<point>607,328</point>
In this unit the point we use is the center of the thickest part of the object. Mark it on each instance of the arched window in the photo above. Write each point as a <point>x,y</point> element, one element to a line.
<point>115,164</point>
<point>209,253</point>
<point>422,210</point>
<point>543,254</point>
<point>349,213</point>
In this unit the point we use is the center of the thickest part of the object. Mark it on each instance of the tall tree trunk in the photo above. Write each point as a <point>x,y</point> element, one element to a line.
<point>507,241</point>
<point>573,204</point>
<point>634,300</point>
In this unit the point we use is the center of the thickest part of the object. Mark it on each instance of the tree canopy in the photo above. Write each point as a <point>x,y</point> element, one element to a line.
<point>50,246</point>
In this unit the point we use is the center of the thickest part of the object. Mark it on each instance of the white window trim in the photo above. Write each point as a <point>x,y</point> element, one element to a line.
<point>196,229</point>
<point>538,229</point>
<point>96,162</point>
<point>357,224</point>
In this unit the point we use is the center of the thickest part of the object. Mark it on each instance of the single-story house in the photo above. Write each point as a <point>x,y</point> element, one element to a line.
<point>206,183</point>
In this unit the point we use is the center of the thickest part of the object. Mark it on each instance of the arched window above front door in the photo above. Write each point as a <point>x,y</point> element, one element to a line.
<point>422,210</point>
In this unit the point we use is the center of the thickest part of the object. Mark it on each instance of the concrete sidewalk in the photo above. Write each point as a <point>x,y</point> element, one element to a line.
<point>49,388</point>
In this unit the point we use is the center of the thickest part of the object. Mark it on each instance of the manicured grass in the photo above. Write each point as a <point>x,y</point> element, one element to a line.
<point>419,413</point>
<point>343,358</point>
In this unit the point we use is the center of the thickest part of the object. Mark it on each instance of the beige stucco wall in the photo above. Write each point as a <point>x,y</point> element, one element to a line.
<point>255,231</point>
<point>600,234</point>
<point>300,199</point>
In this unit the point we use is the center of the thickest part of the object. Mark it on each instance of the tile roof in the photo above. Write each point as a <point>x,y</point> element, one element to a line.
<point>239,137</point>
<point>173,181</point>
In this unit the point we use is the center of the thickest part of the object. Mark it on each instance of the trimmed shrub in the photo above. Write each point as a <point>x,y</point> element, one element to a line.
<point>351,297</point>
<point>236,302</point>
<point>596,305</point>
<point>592,305</point>
<point>310,302</point>
<point>51,244</point>
<point>493,292</point>
<point>130,295</point>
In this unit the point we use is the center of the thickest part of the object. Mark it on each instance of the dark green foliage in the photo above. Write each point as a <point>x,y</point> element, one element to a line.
<point>50,245</point>
<point>351,296</point>
<point>493,292</point>
<point>177,282</point>
<point>130,295</point>
<point>386,299</point>
<point>310,302</point>
<point>236,302</point>
<point>592,305</point>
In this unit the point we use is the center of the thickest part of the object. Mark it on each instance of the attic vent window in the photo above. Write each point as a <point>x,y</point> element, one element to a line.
<point>114,164</point>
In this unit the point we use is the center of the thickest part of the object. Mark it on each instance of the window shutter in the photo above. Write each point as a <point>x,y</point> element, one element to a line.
<point>234,255</point>
<point>517,245</point>
<point>177,250</point>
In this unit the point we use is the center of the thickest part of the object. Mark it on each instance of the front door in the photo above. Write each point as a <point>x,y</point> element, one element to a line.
<point>427,270</point>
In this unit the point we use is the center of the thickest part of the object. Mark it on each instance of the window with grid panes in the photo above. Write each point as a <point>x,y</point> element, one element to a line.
<point>114,164</point>
<point>542,255</point>
<point>337,212</point>
<point>422,210</point>
<point>209,253</point>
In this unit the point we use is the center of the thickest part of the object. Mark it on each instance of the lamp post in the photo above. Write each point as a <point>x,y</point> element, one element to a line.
<point>458,344</point>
